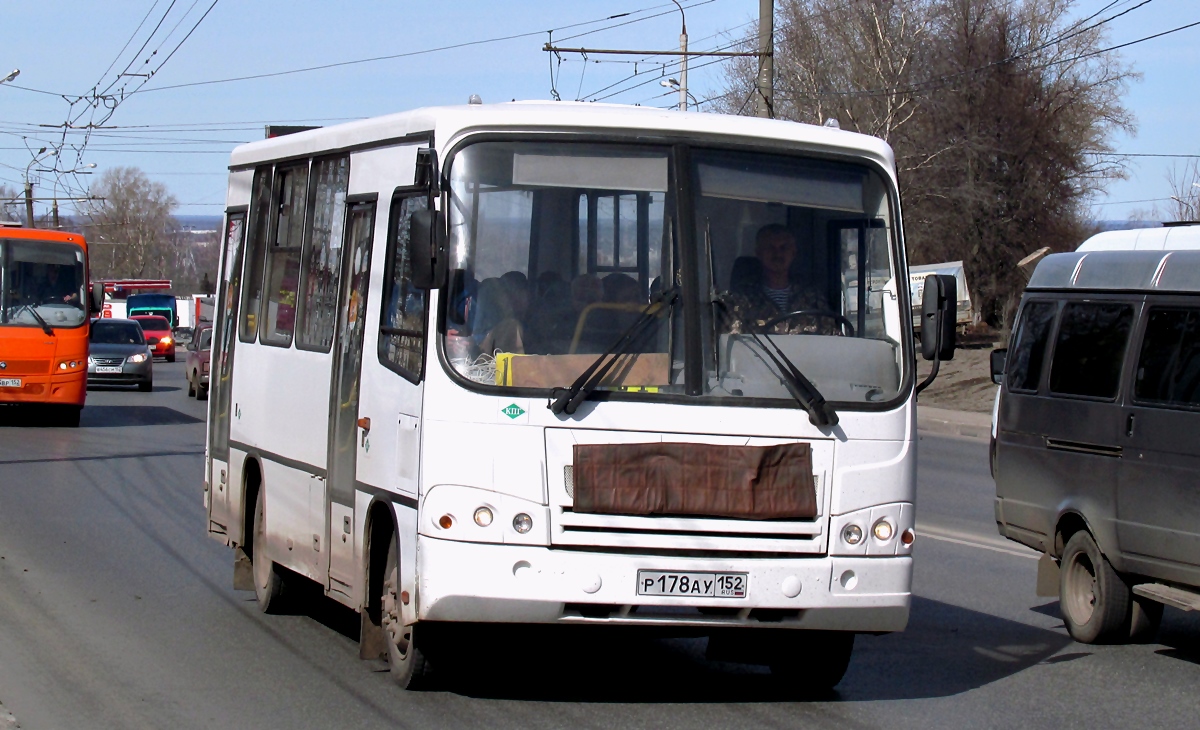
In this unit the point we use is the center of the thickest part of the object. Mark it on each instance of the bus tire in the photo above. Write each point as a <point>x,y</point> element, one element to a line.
<point>1095,602</point>
<point>406,662</point>
<point>268,581</point>
<point>810,662</point>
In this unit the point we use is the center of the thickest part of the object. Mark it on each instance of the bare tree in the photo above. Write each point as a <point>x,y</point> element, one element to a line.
<point>131,227</point>
<point>10,205</point>
<point>1185,192</point>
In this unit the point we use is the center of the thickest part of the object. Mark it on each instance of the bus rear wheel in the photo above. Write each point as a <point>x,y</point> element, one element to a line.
<point>405,661</point>
<point>268,582</point>
<point>810,662</point>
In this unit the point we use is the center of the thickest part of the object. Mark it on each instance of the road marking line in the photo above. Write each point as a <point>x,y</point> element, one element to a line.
<point>944,537</point>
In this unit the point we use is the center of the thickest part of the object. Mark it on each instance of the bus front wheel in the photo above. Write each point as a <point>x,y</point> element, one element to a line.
<point>405,661</point>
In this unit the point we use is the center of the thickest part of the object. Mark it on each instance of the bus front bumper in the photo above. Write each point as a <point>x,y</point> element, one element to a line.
<point>461,581</point>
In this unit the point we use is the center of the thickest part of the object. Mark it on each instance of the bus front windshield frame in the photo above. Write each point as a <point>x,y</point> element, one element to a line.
<point>42,284</point>
<point>565,255</point>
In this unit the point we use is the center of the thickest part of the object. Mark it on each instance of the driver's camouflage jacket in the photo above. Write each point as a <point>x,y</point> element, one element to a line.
<point>747,312</point>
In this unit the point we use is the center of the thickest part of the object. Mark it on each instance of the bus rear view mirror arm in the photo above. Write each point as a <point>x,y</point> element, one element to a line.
<point>939,313</point>
<point>426,249</point>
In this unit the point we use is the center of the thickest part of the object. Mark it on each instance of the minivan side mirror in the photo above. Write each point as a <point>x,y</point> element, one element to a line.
<point>425,246</point>
<point>999,361</point>
<point>939,315</point>
<point>98,297</point>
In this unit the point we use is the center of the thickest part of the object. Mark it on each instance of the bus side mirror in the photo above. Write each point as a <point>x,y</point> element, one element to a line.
<point>939,314</point>
<point>999,361</point>
<point>97,297</point>
<point>426,244</point>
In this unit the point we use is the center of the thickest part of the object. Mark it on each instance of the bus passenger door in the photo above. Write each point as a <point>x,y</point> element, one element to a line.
<point>220,507</point>
<point>344,433</point>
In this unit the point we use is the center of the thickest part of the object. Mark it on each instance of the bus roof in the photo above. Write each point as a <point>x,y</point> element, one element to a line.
<point>39,234</point>
<point>447,122</point>
<point>1166,238</point>
<point>1149,271</point>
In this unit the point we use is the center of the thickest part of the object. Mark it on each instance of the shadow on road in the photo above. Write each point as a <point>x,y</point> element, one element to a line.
<point>118,416</point>
<point>947,650</point>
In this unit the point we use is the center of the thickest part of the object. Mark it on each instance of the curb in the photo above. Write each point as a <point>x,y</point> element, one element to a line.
<point>946,422</point>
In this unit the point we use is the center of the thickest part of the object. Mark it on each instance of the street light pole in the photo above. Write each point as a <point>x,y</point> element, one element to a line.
<point>766,59</point>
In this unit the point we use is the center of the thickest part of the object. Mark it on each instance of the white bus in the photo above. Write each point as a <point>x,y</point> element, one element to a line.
<point>557,363</point>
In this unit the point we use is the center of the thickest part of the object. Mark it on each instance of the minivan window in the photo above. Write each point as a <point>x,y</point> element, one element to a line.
<point>1168,370</point>
<point>1090,349</point>
<point>1025,359</point>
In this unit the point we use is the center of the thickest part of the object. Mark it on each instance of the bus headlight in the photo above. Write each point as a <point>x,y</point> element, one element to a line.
<point>883,531</point>
<point>522,523</point>
<point>66,366</point>
<point>852,534</point>
<point>483,517</point>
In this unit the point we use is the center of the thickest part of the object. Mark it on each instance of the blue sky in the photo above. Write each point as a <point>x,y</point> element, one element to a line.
<point>182,136</point>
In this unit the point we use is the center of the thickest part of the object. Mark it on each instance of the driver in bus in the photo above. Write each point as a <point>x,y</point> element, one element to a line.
<point>762,290</point>
<point>58,288</point>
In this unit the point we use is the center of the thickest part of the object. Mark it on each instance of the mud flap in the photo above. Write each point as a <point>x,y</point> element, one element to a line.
<point>371,640</point>
<point>1047,576</point>
<point>243,571</point>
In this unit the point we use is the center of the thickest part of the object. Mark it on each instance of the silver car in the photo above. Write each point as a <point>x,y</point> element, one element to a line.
<point>118,355</point>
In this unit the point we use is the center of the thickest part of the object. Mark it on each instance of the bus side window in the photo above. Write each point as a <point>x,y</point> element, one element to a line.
<point>283,255</point>
<point>402,321</point>
<point>252,282</point>
<point>323,254</point>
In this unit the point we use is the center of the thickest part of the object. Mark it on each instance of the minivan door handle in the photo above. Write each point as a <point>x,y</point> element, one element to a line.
<point>1129,425</point>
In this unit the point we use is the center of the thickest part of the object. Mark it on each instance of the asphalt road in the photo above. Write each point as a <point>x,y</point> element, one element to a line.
<point>116,611</point>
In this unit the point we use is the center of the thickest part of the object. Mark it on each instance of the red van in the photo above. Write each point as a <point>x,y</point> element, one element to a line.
<point>158,335</point>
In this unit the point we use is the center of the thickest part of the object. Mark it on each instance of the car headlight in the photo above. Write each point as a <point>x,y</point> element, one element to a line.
<point>165,340</point>
<point>140,357</point>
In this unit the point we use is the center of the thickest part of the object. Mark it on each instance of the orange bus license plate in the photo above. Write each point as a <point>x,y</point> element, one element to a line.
<point>10,382</point>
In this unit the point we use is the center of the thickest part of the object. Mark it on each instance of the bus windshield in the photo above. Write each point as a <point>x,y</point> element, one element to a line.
<point>560,252</point>
<point>41,282</point>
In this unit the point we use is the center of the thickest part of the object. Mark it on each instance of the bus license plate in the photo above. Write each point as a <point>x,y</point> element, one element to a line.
<point>10,382</point>
<point>101,369</point>
<point>706,585</point>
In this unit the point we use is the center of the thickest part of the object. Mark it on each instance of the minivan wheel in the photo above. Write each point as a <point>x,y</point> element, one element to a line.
<point>1094,601</point>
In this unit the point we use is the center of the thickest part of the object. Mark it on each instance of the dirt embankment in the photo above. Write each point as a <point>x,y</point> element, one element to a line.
<point>962,384</point>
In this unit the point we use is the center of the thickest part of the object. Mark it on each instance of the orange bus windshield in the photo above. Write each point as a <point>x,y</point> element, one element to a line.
<point>42,284</point>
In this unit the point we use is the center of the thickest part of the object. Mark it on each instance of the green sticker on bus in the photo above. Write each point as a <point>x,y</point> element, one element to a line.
<point>513,410</point>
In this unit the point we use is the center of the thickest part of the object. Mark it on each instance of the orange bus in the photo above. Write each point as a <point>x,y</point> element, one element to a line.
<point>44,308</point>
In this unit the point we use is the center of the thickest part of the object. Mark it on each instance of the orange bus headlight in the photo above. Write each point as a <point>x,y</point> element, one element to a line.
<point>70,365</point>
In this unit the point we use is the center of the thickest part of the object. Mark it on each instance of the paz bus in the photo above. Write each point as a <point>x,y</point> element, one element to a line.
<point>571,364</point>
<point>44,306</point>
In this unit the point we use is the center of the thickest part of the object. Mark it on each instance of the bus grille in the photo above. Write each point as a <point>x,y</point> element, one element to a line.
<point>25,367</point>
<point>694,535</point>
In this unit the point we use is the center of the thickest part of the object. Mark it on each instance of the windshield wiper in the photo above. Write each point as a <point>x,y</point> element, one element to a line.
<point>33,310</point>
<point>820,413</point>
<point>569,399</point>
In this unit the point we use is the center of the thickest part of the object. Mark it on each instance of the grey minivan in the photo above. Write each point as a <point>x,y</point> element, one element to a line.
<point>1095,450</point>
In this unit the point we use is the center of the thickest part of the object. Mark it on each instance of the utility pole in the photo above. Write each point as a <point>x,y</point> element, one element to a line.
<point>28,202</point>
<point>54,214</point>
<point>766,59</point>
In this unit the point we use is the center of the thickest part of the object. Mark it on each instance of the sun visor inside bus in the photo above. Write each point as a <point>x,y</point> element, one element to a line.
<point>745,482</point>
<point>635,174</point>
